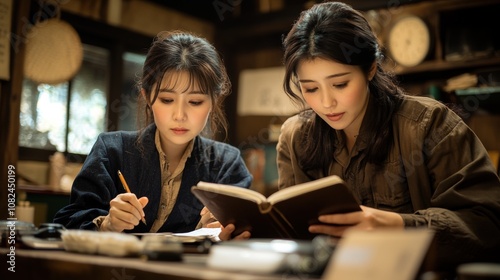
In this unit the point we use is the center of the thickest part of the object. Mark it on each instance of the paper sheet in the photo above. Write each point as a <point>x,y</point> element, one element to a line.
<point>211,232</point>
<point>379,255</point>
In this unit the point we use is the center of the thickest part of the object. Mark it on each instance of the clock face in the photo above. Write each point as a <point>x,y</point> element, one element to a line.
<point>409,41</point>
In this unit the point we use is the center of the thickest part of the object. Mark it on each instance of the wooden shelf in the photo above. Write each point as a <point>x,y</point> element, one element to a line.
<point>444,19</point>
<point>438,66</point>
<point>42,189</point>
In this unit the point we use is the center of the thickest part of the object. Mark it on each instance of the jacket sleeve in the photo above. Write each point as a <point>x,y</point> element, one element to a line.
<point>91,192</point>
<point>464,209</point>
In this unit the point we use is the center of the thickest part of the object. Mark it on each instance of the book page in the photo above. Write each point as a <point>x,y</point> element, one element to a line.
<point>300,206</point>
<point>242,207</point>
<point>232,191</point>
<point>299,189</point>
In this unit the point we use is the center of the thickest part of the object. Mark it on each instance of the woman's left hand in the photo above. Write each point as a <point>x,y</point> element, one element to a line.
<point>367,219</point>
<point>208,221</point>
<point>226,233</point>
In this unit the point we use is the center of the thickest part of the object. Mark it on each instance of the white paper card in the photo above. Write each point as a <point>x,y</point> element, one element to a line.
<point>260,93</point>
<point>211,232</point>
<point>379,255</point>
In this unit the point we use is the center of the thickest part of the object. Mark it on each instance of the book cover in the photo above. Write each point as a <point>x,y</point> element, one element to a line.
<point>285,214</point>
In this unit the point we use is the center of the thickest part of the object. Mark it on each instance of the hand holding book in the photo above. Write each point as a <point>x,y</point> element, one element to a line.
<point>287,213</point>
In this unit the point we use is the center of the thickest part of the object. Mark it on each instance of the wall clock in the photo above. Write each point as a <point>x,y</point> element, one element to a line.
<point>409,41</point>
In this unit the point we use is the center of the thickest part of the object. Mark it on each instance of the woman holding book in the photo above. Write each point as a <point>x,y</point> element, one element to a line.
<point>410,161</point>
<point>182,87</point>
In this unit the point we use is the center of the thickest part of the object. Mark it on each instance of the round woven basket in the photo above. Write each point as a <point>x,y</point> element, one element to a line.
<point>54,52</point>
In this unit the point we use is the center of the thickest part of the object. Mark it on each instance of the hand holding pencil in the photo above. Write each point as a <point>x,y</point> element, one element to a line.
<point>125,212</point>
<point>127,189</point>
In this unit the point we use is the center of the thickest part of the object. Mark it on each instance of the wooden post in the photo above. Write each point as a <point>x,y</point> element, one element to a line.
<point>10,100</point>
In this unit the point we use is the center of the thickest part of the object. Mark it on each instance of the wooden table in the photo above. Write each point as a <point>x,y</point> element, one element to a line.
<point>55,264</point>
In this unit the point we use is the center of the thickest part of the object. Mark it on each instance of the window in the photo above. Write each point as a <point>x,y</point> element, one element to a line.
<point>132,67</point>
<point>72,112</point>
<point>69,116</point>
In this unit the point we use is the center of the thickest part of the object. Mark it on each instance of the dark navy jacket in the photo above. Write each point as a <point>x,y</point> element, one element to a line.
<point>98,182</point>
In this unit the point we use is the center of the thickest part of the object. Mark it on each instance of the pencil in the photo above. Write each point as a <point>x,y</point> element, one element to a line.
<point>127,189</point>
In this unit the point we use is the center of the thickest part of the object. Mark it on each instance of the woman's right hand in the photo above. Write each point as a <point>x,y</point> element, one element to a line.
<point>367,219</point>
<point>125,212</point>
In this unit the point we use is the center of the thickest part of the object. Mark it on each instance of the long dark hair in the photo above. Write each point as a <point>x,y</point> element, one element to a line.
<point>336,32</point>
<point>175,51</point>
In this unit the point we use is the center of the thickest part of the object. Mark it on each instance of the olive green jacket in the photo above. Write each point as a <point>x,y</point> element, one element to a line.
<point>437,174</point>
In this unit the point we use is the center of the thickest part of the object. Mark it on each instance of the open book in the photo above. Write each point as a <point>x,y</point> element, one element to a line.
<point>286,213</point>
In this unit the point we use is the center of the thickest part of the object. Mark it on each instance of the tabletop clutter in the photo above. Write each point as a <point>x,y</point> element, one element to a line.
<point>255,255</point>
<point>355,256</point>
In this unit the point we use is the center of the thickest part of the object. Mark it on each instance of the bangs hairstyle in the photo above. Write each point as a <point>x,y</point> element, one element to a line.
<point>170,81</point>
<point>175,52</point>
<point>331,31</point>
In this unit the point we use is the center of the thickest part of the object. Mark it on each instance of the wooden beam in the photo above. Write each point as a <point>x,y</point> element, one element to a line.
<point>10,100</point>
